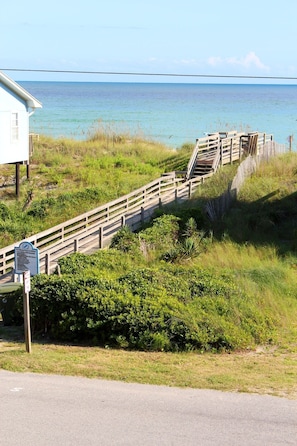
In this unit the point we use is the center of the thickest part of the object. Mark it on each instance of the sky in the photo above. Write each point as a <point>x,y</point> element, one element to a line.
<point>191,40</point>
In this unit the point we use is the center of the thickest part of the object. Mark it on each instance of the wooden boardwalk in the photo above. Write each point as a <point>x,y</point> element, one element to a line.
<point>94,230</point>
<point>218,149</point>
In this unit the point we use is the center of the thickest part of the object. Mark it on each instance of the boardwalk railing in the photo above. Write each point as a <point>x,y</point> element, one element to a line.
<point>222,148</point>
<point>94,230</point>
<point>206,148</point>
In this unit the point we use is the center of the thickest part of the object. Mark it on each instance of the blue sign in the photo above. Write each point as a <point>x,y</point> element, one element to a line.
<point>26,258</point>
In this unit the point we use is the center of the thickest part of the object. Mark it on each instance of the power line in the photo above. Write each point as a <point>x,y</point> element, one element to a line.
<point>127,73</point>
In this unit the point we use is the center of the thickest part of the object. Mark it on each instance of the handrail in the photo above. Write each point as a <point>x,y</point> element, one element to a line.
<point>77,227</point>
<point>203,145</point>
<point>216,160</point>
<point>192,161</point>
<point>223,148</point>
<point>94,229</point>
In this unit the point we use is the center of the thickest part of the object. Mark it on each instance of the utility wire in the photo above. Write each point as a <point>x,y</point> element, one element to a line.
<point>124,73</point>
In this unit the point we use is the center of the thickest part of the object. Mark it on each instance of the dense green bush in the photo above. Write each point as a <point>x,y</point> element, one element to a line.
<point>163,233</point>
<point>168,237</point>
<point>184,212</point>
<point>125,240</point>
<point>103,263</point>
<point>170,308</point>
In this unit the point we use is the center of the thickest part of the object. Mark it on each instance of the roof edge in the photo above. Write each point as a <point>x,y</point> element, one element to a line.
<point>20,91</point>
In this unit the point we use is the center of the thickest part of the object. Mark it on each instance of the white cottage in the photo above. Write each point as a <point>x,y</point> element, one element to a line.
<point>16,106</point>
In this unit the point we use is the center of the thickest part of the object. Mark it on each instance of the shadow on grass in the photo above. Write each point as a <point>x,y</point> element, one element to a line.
<point>263,222</point>
<point>11,333</point>
<point>266,221</point>
<point>15,334</point>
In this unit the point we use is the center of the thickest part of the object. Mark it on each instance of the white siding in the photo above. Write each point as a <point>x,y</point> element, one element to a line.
<point>13,149</point>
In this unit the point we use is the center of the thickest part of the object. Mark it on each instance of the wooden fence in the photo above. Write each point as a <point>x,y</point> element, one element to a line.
<point>217,207</point>
<point>94,230</point>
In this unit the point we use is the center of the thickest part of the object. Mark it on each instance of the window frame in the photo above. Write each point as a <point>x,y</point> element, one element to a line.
<point>14,127</point>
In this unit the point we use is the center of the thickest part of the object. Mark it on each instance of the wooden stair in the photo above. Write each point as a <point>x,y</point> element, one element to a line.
<point>203,167</point>
<point>204,157</point>
<point>214,150</point>
<point>206,162</point>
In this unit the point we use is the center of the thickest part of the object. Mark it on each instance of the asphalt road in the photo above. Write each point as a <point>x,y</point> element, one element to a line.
<point>42,410</point>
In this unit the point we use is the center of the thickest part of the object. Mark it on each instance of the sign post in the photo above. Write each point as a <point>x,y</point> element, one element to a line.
<point>26,259</point>
<point>26,291</point>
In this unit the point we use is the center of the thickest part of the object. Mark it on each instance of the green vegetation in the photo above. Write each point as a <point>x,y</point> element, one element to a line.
<point>151,309</point>
<point>70,177</point>
<point>266,212</point>
<point>179,287</point>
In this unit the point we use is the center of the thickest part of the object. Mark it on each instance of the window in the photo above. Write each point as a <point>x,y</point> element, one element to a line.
<point>14,127</point>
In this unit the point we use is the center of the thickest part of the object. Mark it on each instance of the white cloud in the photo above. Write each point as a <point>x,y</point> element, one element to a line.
<point>185,62</point>
<point>189,62</point>
<point>214,61</point>
<point>249,61</point>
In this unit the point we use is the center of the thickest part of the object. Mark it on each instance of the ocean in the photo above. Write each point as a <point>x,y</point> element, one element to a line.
<point>173,114</point>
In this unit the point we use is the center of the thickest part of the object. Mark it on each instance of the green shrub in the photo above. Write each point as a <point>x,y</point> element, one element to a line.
<point>125,240</point>
<point>184,212</point>
<point>104,263</point>
<point>5,213</point>
<point>162,235</point>
<point>38,210</point>
<point>170,309</point>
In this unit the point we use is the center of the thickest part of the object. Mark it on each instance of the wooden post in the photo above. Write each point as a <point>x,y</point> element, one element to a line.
<point>47,263</point>
<point>290,143</point>
<point>100,237</point>
<point>123,220</point>
<point>190,189</point>
<point>28,170</point>
<point>17,179</point>
<point>75,243</point>
<point>27,328</point>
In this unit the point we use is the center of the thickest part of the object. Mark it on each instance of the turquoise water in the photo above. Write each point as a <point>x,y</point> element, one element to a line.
<point>170,113</point>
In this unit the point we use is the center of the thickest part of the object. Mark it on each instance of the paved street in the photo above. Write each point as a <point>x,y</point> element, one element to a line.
<point>55,410</point>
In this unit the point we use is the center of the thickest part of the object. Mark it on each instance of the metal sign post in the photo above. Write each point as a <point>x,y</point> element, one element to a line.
<point>26,291</point>
<point>26,259</point>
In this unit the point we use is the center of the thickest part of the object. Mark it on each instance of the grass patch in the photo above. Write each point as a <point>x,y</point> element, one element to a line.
<point>265,371</point>
<point>69,177</point>
<point>266,210</point>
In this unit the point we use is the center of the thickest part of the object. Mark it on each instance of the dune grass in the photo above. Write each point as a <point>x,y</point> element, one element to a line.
<point>255,243</point>
<point>69,177</point>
